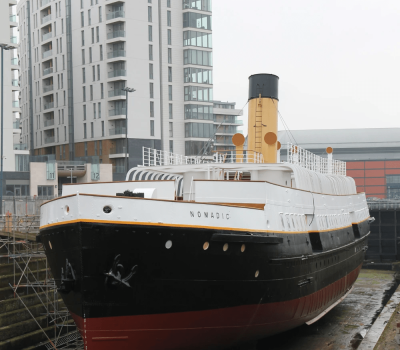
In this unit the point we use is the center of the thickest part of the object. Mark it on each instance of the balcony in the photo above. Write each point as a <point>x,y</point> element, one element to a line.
<point>14,61</point>
<point>115,14</point>
<point>45,2</point>
<point>47,71</point>
<point>16,125</point>
<point>14,40</point>
<point>15,82</point>
<point>116,34</point>
<point>47,36</point>
<point>120,169</point>
<point>20,146</point>
<point>118,150</point>
<point>117,73</point>
<point>116,92</point>
<point>118,111</point>
<point>47,88</point>
<point>48,122</point>
<point>48,105</point>
<point>50,139</point>
<point>47,53</point>
<point>117,131</point>
<point>13,18</point>
<point>46,19</point>
<point>15,104</point>
<point>116,53</point>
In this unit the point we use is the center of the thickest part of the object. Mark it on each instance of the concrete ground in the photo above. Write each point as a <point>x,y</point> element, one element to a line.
<point>346,325</point>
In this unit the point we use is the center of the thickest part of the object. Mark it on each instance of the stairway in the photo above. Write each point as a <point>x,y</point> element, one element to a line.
<point>18,329</point>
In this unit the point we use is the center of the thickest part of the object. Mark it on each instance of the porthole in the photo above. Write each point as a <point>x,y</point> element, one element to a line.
<point>243,248</point>
<point>51,247</point>
<point>206,245</point>
<point>107,209</point>
<point>168,244</point>
<point>257,274</point>
<point>226,246</point>
<point>66,210</point>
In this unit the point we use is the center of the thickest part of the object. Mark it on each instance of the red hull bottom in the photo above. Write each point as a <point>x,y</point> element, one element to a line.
<point>210,329</point>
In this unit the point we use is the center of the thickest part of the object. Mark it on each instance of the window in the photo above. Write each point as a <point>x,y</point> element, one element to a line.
<point>90,55</point>
<point>81,4</point>
<point>170,74</point>
<point>200,39</point>
<point>99,110</point>
<point>171,146</point>
<point>95,148</point>
<point>151,109</point>
<point>92,35</point>
<point>201,58</point>
<point>83,37</point>
<point>101,52</point>
<point>150,33</point>
<point>151,52</point>
<point>171,129</point>
<point>102,133</point>
<point>84,112</point>
<point>196,20</point>
<point>170,92</point>
<point>100,15</point>
<point>102,90</point>
<point>85,145</point>
<point>199,112</point>
<point>197,93</point>
<point>98,72</point>
<point>169,18</point>
<point>83,56</point>
<point>84,131</point>
<point>94,111</point>
<point>62,25</point>
<point>89,17</point>
<point>151,90</point>
<point>169,3</point>
<point>169,37</point>
<point>84,93</point>
<point>169,55</point>
<point>204,130</point>
<point>151,127</point>
<point>91,130</point>
<point>91,92</point>
<point>97,34</point>
<point>60,45</point>
<point>22,162</point>
<point>198,75</point>
<point>94,73</point>
<point>45,191</point>
<point>83,75</point>
<point>65,136</point>
<point>151,71</point>
<point>82,19</point>
<point>171,114</point>
<point>150,14</point>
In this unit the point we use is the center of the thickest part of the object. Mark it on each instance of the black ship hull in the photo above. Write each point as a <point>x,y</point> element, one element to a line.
<point>150,287</point>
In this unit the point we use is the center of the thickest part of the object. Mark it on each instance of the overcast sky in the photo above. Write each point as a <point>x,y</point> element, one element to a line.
<point>338,60</point>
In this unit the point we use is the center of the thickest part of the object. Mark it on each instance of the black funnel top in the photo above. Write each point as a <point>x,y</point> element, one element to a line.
<point>264,84</point>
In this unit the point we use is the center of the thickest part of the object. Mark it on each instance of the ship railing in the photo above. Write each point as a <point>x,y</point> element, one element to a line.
<point>308,160</point>
<point>245,156</point>
<point>154,157</point>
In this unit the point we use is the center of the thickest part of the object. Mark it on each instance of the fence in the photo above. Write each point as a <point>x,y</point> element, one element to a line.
<point>23,205</point>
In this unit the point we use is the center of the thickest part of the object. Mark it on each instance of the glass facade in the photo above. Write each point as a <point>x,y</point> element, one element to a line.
<point>198,57</point>
<point>197,93</point>
<point>199,39</point>
<point>379,179</point>
<point>197,20</point>
<point>203,5</point>
<point>199,112</point>
<point>198,75</point>
<point>202,130</point>
<point>197,148</point>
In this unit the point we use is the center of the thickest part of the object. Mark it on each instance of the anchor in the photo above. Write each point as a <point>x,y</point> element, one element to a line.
<point>68,279</point>
<point>114,276</point>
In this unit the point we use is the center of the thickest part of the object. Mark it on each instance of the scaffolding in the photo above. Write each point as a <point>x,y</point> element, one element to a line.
<point>18,246</point>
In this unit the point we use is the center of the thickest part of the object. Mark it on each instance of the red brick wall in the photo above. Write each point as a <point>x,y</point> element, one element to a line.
<point>370,176</point>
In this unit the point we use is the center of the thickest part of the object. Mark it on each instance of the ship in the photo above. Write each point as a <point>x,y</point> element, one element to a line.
<point>209,252</point>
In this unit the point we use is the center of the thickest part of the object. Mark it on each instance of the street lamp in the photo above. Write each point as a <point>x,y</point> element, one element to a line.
<point>3,47</point>
<point>127,91</point>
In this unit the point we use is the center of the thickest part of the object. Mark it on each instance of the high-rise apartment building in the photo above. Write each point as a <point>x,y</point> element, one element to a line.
<point>77,56</point>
